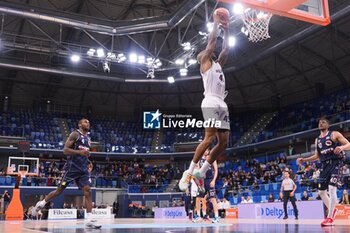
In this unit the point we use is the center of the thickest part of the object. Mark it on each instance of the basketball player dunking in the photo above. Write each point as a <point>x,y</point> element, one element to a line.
<point>76,169</point>
<point>213,105</point>
<point>330,147</point>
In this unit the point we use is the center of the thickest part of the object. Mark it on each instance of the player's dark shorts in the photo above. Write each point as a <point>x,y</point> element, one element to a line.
<point>79,176</point>
<point>330,174</point>
<point>208,190</point>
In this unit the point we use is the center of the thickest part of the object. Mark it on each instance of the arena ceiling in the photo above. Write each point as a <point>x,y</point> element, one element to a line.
<point>38,38</point>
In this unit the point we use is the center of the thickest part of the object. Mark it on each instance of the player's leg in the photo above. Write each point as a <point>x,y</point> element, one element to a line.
<point>204,208</point>
<point>334,180</point>
<point>41,204</point>
<point>219,148</point>
<point>285,202</point>
<point>85,185</point>
<point>325,178</point>
<point>209,137</point>
<point>198,209</point>
<point>295,208</point>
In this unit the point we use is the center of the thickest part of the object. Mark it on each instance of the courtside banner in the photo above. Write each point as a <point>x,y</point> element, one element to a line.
<point>274,210</point>
<point>170,213</point>
<point>62,214</point>
<point>105,213</point>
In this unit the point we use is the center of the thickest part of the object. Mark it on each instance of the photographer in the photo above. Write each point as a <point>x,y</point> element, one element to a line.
<point>7,198</point>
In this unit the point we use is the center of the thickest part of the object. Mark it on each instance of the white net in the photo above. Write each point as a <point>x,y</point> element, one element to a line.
<point>256,24</point>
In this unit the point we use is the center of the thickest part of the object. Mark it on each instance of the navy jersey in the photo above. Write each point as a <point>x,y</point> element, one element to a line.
<point>210,173</point>
<point>326,146</point>
<point>80,162</point>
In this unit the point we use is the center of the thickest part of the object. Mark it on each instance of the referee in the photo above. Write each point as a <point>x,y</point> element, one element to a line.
<point>288,188</point>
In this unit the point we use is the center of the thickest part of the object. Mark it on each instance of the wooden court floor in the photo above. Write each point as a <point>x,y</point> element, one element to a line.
<point>175,226</point>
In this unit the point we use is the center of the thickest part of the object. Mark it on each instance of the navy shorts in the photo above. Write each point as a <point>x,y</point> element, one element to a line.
<point>330,174</point>
<point>208,190</point>
<point>71,173</point>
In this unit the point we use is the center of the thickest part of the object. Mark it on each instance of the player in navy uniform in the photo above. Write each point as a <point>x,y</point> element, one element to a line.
<point>330,147</point>
<point>209,186</point>
<point>77,149</point>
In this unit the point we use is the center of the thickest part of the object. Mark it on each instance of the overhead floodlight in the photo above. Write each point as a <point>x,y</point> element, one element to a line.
<point>186,46</point>
<point>75,58</point>
<point>210,27</point>
<point>100,52</point>
<point>183,72</point>
<point>121,57</point>
<point>238,9</point>
<point>231,41</point>
<point>91,52</point>
<point>179,61</point>
<point>171,79</point>
<point>141,59</point>
<point>158,63</point>
<point>133,57</point>
<point>111,56</point>
<point>192,61</point>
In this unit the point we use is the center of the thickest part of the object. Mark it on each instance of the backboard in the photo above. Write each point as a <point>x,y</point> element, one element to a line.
<point>312,11</point>
<point>17,165</point>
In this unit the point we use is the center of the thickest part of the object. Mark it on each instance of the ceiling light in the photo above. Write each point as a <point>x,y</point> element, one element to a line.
<point>231,41</point>
<point>133,57</point>
<point>91,52</point>
<point>179,61</point>
<point>100,52</point>
<point>238,9</point>
<point>192,61</point>
<point>75,58</point>
<point>141,59</point>
<point>210,27</point>
<point>121,57</point>
<point>183,72</point>
<point>171,79</point>
<point>187,46</point>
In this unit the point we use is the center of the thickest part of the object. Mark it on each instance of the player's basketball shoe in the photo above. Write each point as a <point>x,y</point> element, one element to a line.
<point>199,180</point>
<point>39,206</point>
<point>185,180</point>
<point>327,222</point>
<point>196,218</point>
<point>92,225</point>
<point>215,220</point>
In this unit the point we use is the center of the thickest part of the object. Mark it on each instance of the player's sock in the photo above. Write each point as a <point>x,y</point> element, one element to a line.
<point>333,200</point>
<point>204,213</point>
<point>204,168</point>
<point>198,213</point>
<point>192,166</point>
<point>325,198</point>
<point>216,214</point>
<point>88,217</point>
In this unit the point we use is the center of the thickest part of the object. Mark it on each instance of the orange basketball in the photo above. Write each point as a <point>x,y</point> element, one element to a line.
<point>224,15</point>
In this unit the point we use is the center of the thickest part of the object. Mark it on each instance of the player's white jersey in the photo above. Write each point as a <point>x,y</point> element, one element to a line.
<point>214,81</point>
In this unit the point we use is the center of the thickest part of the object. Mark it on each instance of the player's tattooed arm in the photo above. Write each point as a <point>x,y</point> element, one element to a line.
<point>67,150</point>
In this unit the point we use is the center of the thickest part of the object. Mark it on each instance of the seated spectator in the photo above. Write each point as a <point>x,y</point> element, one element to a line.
<point>249,200</point>
<point>243,200</point>
<point>226,204</point>
<point>271,199</point>
<point>305,196</point>
<point>345,198</point>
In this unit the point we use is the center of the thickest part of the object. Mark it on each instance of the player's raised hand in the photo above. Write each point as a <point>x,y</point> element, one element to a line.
<point>300,161</point>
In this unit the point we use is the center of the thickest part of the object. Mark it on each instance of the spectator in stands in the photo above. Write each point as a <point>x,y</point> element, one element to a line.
<point>227,204</point>
<point>291,150</point>
<point>271,199</point>
<point>345,198</point>
<point>305,196</point>
<point>243,200</point>
<point>7,198</point>
<point>249,199</point>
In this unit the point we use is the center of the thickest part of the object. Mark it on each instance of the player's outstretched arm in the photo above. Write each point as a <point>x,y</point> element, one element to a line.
<point>225,48</point>
<point>345,144</point>
<point>67,150</point>
<point>312,158</point>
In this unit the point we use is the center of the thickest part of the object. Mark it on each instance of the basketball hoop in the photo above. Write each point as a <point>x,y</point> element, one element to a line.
<point>22,173</point>
<point>256,24</point>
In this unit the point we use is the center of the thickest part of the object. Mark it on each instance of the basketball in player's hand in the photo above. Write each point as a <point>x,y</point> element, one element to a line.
<point>224,15</point>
